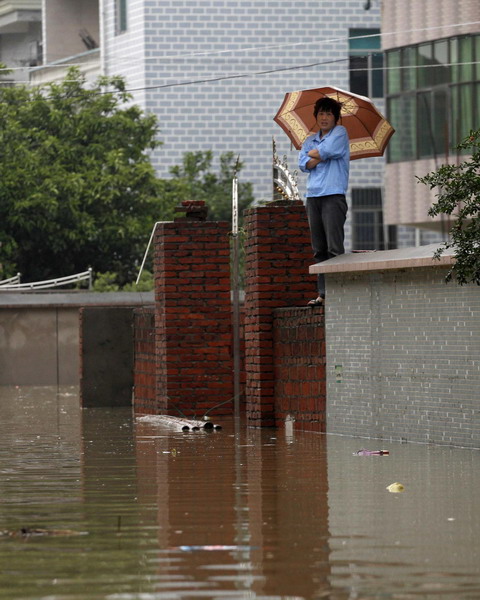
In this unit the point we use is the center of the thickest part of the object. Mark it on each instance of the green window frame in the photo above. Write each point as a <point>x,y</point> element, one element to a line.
<point>366,62</point>
<point>121,16</point>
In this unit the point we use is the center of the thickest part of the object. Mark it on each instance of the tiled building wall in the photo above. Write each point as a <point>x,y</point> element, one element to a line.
<point>413,22</point>
<point>124,53</point>
<point>403,357</point>
<point>215,72</point>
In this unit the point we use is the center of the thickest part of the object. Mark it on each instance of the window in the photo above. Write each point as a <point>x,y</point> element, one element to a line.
<point>402,114</point>
<point>366,62</point>
<point>368,231</point>
<point>432,96</point>
<point>120,16</point>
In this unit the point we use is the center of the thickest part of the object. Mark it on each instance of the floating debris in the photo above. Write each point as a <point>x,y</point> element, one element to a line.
<point>213,548</point>
<point>364,452</point>
<point>395,488</point>
<point>180,423</point>
<point>26,532</point>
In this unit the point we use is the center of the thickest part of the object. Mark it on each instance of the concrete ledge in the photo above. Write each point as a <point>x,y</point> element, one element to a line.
<point>74,299</point>
<point>404,258</point>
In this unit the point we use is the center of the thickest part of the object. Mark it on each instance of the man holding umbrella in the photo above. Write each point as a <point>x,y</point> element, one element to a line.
<point>325,156</point>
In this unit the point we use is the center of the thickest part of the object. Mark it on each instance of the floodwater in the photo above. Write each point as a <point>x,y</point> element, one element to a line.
<point>96,505</point>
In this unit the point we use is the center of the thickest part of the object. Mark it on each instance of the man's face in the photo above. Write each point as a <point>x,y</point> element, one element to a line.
<point>326,121</point>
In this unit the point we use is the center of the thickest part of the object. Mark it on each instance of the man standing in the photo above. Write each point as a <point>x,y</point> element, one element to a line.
<point>325,156</point>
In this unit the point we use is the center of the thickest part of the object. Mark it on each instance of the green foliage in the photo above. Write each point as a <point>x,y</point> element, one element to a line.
<point>105,282</point>
<point>145,283</point>
<point>77,186</point>
<point>108,282</point>
<point>194,180</point>
<point>459,195</point>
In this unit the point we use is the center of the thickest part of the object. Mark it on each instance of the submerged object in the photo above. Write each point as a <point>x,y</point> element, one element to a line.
<point>30,532</point>
<point>214,548</point>
<point>364,452</point>
<point>181,423</point>
<point>395,488</point>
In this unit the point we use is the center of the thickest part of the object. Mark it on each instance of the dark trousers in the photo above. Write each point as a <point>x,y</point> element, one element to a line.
<point>326,218</point>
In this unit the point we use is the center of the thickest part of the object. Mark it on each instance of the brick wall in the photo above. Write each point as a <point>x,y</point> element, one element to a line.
<point>277,255</point>
<point>299,367</point>
<point>403,356</point>
<point>193,318</point>
<point>189,364</point>
<point>144,357</point>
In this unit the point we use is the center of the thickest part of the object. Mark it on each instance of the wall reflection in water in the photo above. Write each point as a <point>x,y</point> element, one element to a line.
<point>172,515</point>
<point>264,498</point>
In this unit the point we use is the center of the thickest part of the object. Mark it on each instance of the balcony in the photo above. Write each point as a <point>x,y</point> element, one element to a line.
<point>88,63</point>
<point>16,15</point>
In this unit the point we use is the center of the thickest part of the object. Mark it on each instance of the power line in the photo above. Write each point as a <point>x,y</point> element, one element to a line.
<point>264,47</point>
<point>273,71</point>
<point>283,69</point>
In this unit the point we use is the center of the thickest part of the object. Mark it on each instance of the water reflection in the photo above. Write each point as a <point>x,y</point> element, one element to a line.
<point>173,515</point>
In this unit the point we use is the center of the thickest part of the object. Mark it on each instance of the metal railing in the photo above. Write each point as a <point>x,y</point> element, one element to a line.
<point>7,285</point>
<point>11,280</point>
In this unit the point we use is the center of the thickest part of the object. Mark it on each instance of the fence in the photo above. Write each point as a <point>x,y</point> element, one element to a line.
<point>13,283</point>
<point>10,281</point>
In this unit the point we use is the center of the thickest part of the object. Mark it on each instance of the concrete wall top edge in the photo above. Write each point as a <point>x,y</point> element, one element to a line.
<point>75,299</point>
<point>403,258</point>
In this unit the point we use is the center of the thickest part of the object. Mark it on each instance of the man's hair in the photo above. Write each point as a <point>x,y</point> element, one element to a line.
<point>328,105</point>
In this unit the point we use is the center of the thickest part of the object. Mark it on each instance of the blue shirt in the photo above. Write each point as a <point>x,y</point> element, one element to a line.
<point>330,176</point>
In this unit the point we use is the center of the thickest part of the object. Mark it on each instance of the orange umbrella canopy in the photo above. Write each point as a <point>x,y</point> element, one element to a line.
<point>368,130</point>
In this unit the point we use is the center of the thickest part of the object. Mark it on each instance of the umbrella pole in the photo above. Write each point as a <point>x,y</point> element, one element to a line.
<point>236,309</point>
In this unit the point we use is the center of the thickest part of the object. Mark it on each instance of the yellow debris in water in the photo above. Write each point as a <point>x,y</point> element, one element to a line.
<point>395,488</point>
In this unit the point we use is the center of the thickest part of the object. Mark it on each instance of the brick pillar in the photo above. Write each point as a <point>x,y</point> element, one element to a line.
<point>144,399</point>
<point>193,318</point>
<point>277,256</point>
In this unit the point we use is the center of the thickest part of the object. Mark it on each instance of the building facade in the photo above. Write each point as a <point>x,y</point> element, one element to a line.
<point>215,72</point>
<point>20,37</point>
<point>432,57</point>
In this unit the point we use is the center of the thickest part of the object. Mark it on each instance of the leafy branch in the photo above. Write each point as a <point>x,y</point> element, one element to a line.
<point>459,196</point>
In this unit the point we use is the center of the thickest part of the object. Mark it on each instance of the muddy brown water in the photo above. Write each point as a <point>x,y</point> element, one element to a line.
<point>97,505</point>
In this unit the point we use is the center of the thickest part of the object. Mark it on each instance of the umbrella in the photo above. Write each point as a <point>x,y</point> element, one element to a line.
<point>367,128</point>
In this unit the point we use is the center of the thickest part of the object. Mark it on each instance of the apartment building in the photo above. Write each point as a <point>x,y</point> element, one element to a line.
<point>20,37</point>
<point>215,72</point>
<point>432,57</point>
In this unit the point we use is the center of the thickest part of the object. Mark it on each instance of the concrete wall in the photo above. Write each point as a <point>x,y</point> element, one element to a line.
<point>62,21</point>
<point>106,356</point>
<point>39,334</point>
<point>39,346</point>
<point>412,22</point>
<point>403,351</point>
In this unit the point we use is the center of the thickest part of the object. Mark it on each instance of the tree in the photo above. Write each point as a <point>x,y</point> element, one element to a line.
<point>77,187</point>
<point>459,195</point>
<point>194,180</point>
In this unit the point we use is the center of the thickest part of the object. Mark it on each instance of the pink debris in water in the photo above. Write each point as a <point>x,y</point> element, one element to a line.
<point>364,452</point>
